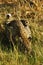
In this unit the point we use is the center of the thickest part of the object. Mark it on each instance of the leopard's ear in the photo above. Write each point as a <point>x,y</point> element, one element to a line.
<point>8,15</point>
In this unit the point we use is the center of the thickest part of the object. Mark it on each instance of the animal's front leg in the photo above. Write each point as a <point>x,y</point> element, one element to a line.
<point>11,40</point>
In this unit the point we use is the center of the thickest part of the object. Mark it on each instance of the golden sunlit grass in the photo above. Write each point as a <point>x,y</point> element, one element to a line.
<point>33,12</point>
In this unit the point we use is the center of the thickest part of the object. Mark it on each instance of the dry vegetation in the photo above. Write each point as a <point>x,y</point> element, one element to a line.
<point>32,11</point>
